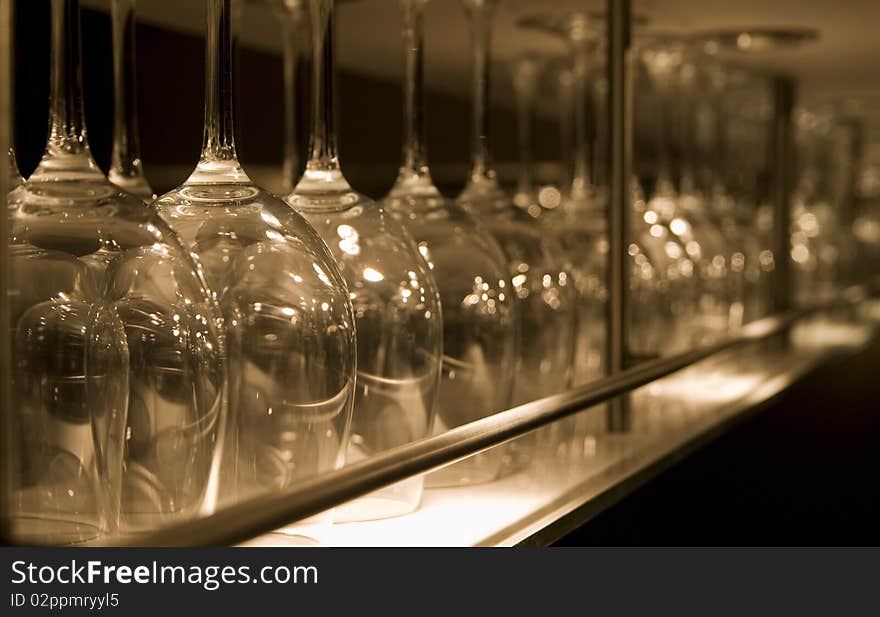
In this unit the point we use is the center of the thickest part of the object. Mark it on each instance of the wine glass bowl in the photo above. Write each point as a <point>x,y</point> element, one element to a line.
<point>119,362</point>
<point>289,328</point>
<point>396,309</point>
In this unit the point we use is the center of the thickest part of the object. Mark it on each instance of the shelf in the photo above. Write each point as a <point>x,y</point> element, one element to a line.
<point>671,418</point>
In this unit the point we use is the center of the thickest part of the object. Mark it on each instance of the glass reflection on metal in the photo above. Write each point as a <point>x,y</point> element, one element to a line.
<point>288,319</point>
<point>479,320</point>
<point>118,375</point>
<point>395,299</point>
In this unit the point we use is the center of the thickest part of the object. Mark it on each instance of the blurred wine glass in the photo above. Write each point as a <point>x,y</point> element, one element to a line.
<point>526,71</point>
<point>816,233</point>
<point>684,212</point>
<point>535,261</point>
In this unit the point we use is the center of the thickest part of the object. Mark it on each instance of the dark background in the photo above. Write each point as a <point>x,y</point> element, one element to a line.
<point>806,471</point>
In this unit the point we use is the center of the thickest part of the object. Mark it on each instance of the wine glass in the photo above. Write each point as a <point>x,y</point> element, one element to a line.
<point>740,199</point>
<point>578,218</point>
<point>578,221</point>
<point>288,320</point>
<point>705,87</point>
<point>684,213</point>
<point>395,298</point>
<point>117,362</point>
<point>479,313</point>
<point>126,170</point>
<point>815,227</point>
<point>535,262</point>
<point>663,288</point>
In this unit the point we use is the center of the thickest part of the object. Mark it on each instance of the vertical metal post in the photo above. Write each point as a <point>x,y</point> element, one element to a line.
<point>783,170</point>
<point>619,156</point>
<point>5,352</point>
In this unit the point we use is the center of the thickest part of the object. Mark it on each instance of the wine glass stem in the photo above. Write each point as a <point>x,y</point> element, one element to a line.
<point>566,111</point>
<point>480,14</point>
<point>67,127</point>
<point>322,169</point>
<point>415,162</point>
<point>291,22</point>
<point>525,82</point>
<point>126,156</point>
<point>218,147</point>
<point>580,172</point>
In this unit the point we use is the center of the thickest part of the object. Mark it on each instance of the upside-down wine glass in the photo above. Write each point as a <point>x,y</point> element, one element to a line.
<point>663,286</point>
<point>395,299</point>
<point>742,120</point>
<point>288,320</point>
<point>704,89</point>
<point>119,381</point>
<point>542,288</point>
<point>684,213</point>
<point>748,139</point>
<point>579,221</point>
<point>815,229</point>
<point>126,169</point>
<point>479,318</point>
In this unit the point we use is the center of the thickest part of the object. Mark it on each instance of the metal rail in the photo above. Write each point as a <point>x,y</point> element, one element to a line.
<point>246,520</point>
